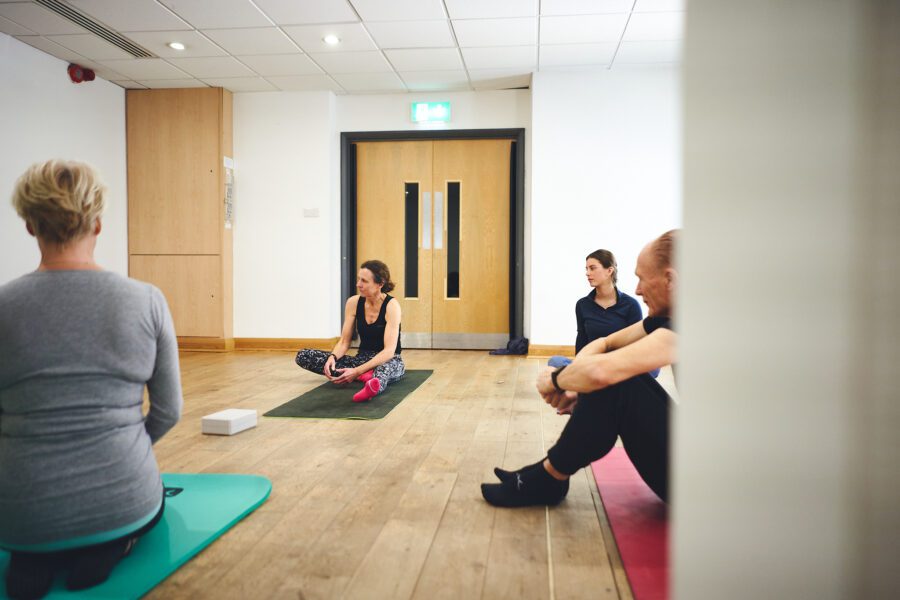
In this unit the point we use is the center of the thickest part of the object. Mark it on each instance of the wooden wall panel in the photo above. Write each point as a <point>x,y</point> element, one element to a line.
<point>174,171</point>
<point>191,285</point>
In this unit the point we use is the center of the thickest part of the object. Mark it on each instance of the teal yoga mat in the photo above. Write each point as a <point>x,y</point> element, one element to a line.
<point>330,401</point>
<point>199,508</point>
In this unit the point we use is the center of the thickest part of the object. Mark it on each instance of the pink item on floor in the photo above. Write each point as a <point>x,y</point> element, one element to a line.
<point>369,391</point>
<point>366,376</point>
<point>639,522</point>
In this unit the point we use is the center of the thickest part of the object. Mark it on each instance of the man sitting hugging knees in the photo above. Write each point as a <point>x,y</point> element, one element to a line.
<point>615,397</point>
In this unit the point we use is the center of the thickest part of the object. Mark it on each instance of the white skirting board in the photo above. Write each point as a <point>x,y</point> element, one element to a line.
<point>229,421</point>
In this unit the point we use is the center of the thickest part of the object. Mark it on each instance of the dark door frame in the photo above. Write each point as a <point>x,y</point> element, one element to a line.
<point>516,207</point>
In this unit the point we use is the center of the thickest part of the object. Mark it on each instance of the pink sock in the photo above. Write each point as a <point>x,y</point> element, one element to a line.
<point>367,376</point>
<point>369,391</point>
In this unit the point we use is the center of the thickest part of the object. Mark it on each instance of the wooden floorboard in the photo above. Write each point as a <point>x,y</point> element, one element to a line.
<point>388,508</point>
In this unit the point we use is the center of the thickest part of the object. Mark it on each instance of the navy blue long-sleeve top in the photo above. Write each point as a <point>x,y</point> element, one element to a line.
<point>594,321</point>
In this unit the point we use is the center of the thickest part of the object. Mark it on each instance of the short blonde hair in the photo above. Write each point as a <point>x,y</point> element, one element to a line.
<point>60,200</point>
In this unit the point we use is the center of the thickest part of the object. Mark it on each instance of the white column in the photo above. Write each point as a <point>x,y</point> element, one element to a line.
<point>786,471</point>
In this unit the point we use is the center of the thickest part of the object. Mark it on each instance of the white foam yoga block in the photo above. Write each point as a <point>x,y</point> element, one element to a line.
<point>229,421</point>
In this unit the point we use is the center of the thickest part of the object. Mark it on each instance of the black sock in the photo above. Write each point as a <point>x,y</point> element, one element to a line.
<point>532,487</point>
<point>92,566</point>
<point>29,576</point>
<point>503,475</point>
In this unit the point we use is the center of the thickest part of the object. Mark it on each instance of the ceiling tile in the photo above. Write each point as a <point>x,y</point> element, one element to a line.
<point>412,34</point>
<point>10,28</point>
<point>370,82</point>
<point>172,83</point>
<point>281,64</point>
<point>649,52</point>
<point>262,40</point>
<point>399,10</point>
<point>139,69</point>
<point>491,9</point>
<point>584,29</point>
<point>194,44</point>
<point>218,14</point>
<point>658,5</point>
<point>430,59</point>
<point>130,15</point>
<point>242,84</point>
<point>128,85</point>
<point>51,48</point>
<point>504,57</point>
<point>38,19</point>
<point>655,26</point>
<point>305,83</point>
<point>481,33</point>
<point>218,66</point>
<point>435,81</point>
<point>499,79</point>
<point>90,46</point>
<point>352,35</point>
<point>667,66</point>
<point>301,12</point>
<point>352,62</point>
<point>577,54</point>
<point>584,7</point>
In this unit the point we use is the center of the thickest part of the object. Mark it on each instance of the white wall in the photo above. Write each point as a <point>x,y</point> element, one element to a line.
<point>786,449</point>
<point>44,115</point>
<point>285,279</point>
<point>287,152</point>
<point>607,174</point>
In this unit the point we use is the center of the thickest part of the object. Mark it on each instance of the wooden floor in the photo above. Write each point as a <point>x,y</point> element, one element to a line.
<point>388,508</point>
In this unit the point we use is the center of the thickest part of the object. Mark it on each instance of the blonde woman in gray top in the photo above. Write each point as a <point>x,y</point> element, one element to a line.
<point>78,479</point>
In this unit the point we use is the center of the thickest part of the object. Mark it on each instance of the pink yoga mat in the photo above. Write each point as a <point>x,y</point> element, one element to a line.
<point>639,523</point>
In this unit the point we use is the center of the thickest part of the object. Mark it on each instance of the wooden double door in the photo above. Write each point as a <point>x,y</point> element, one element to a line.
<point>437,212</point>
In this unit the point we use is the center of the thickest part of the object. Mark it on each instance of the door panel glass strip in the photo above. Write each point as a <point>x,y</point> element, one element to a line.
<point>453,239</point>
<point>411,254</point>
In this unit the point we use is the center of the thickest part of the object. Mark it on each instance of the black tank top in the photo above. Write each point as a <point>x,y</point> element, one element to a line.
<point>371,337</point>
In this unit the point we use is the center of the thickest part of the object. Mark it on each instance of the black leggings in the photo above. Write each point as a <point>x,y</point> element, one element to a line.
<point>69,556</point>
<point>637,410</point>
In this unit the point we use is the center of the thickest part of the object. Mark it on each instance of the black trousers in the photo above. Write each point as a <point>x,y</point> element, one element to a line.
<point>637,410</point>
<point>67,556</point>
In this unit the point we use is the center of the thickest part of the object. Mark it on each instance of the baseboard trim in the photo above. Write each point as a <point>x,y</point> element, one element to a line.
<point>538,350</point>
<point>284,343</point>
<point>205,344</point>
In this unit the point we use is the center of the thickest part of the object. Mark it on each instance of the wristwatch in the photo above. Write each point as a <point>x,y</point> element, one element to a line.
<point>554,375</point>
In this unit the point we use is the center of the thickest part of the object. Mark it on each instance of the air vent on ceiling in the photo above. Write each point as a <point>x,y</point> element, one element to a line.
<point>67,12</point>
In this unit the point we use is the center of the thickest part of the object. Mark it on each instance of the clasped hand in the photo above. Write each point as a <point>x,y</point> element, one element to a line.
<point>552,396</point>
<point>343,375</point>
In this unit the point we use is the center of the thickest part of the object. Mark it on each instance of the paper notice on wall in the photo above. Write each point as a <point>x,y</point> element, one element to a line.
<point>229,192</point>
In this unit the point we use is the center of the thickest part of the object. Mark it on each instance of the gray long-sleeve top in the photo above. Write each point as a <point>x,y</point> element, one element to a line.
<point>76,350</point>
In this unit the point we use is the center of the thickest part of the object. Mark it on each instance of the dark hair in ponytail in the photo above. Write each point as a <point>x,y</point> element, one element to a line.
<point>606,258</point>
<point>381,273</point>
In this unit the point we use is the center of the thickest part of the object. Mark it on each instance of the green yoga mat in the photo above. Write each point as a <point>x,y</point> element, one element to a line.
<point>329,401</point>
<point>199,508</point>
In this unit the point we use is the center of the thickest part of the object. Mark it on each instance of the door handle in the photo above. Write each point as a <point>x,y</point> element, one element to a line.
<point>426,220</point>
<point>438,220</point>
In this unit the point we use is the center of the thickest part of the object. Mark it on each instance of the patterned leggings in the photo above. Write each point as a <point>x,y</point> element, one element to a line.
<point>389,372</point>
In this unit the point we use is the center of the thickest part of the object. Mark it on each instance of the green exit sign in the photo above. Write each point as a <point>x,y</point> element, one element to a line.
<point>430,112</point>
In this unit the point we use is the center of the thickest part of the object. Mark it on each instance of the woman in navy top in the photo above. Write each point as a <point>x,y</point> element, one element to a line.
<point>605,309</point>
<point>377,321</point>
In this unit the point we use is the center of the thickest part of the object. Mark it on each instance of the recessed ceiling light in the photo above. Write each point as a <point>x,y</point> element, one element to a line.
<point>175,45</point>
<point>331,40</point>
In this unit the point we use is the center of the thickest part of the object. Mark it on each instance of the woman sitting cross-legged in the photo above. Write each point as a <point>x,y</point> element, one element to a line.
<point>79,483</point>
<point>377,321</point>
